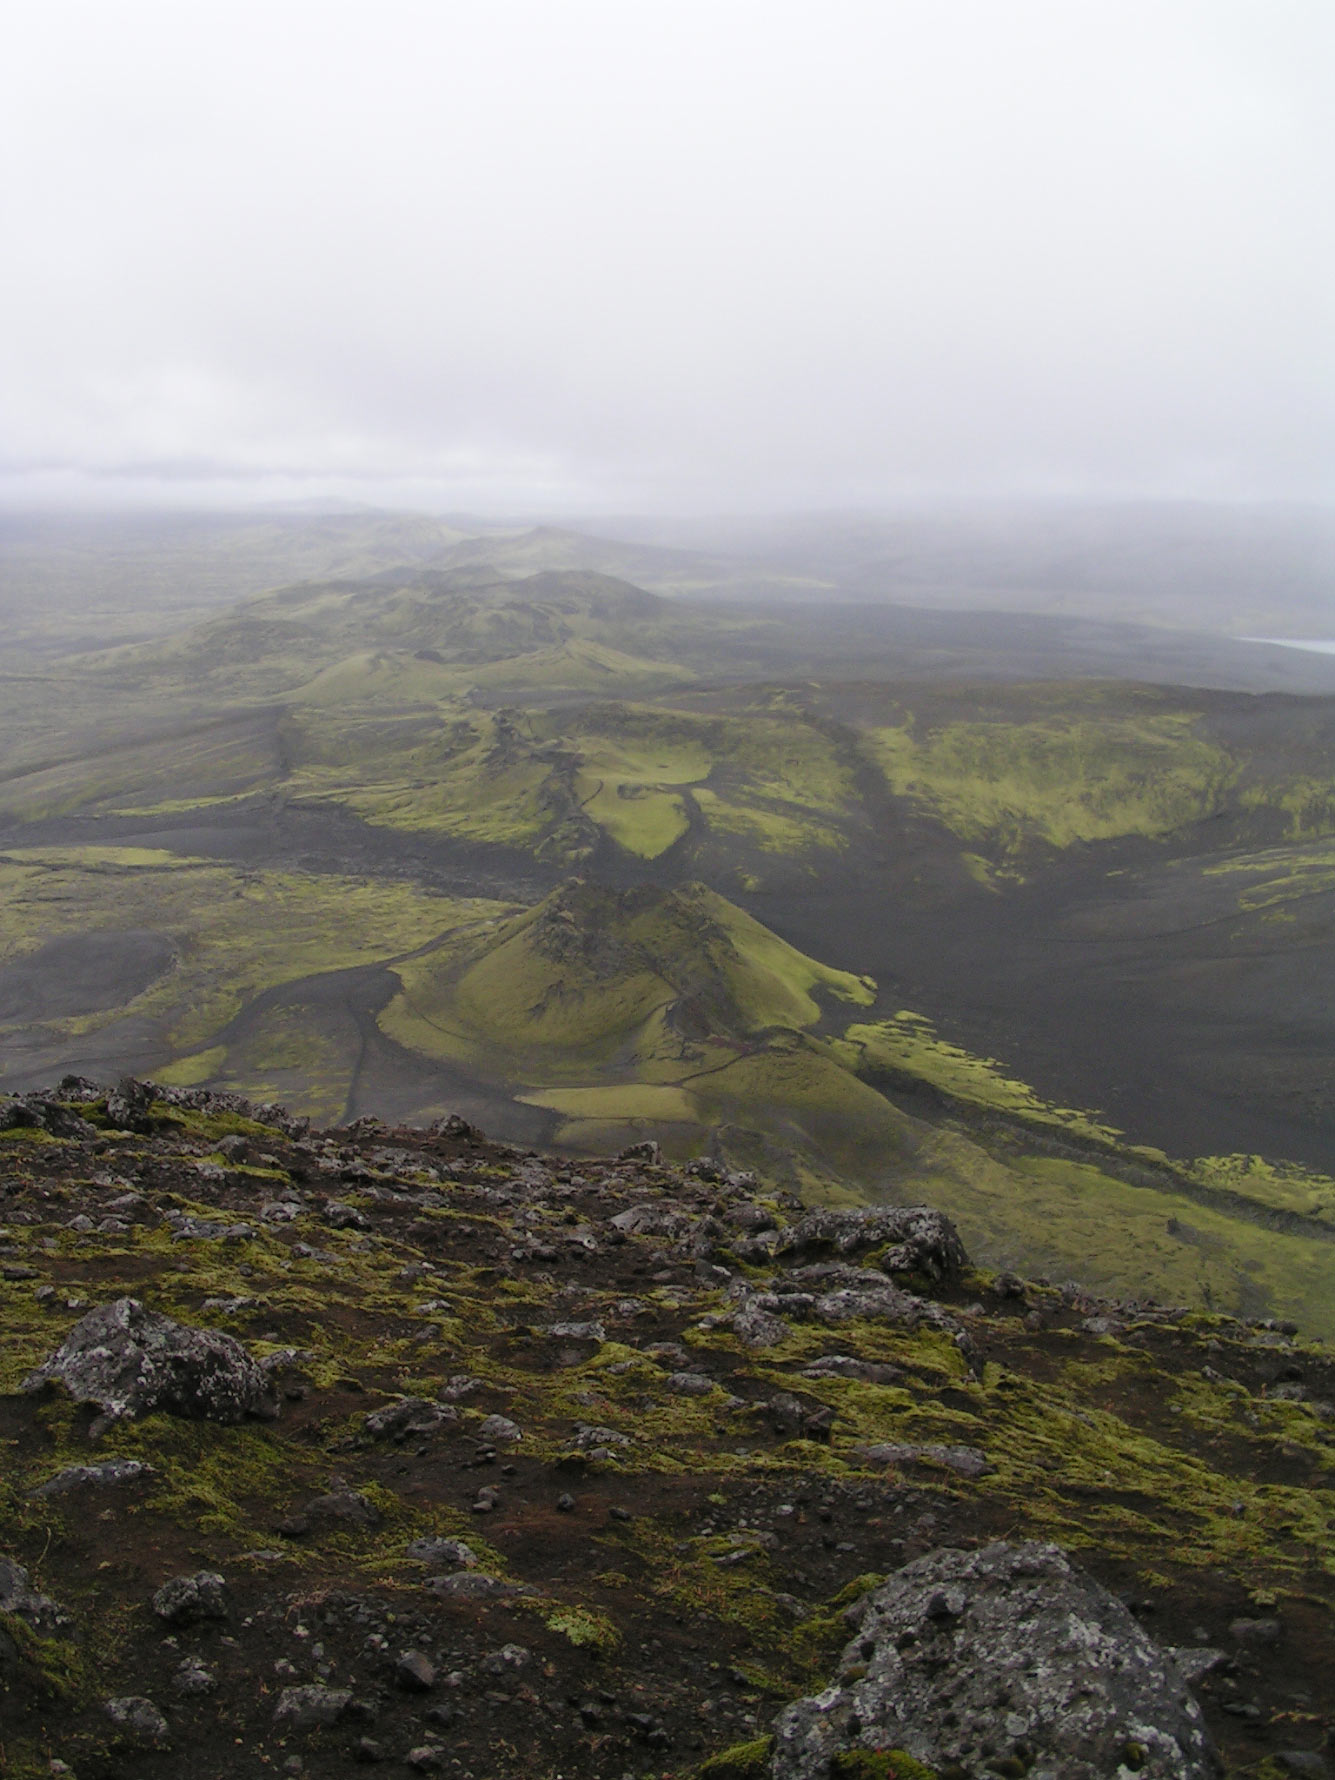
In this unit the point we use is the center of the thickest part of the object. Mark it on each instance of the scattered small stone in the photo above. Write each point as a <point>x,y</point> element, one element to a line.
<point>1103,1325</point>
<point>759,1327</point>
<point>453,1553</point>
<point>26,1603</point>
<point>848,1366</point>
<point>342,1506</point>
<point>689,1384</point>
<point>598,1442</point>
<point>187,1599</point>
<point>414,1673</point>
<point>340,1216</point>
<point>462,1384</point>
<point>647,1151</point>
<point>475,1585</point>
<point>111,1472</point>
<point>1195,1662</point>
<point>508,1660</point>
<point>192,1678</point>
<point>499,1428</point>
<point>577,1331</point>
<point>412,1416</point>
<point>966,1460</point>
<point>307,1708</point>
<point>138,1722</point>
<point>1255,1631</point>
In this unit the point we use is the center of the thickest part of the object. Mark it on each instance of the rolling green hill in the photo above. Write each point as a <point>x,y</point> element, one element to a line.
<point>603,1017</point>
<point>591,865</point>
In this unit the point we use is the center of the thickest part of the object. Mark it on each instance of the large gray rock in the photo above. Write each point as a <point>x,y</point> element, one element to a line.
<point>969,1659</point>
<point>138,1722</point>
<point>408,1417</point>
<point>452,1553</point>
<point>922,1240</point>
<point>111,1472</point>
<point>186,1599</point>
<point>131,1361</point>
<point>833,1292</point>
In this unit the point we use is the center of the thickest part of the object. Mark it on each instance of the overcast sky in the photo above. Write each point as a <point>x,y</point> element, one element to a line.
<point>701,254</point>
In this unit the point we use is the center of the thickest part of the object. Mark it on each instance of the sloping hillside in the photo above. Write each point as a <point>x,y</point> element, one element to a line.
<point>391,1446</point>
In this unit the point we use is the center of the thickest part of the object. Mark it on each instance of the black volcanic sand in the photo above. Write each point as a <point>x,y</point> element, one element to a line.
<point>82,974</point>
<point>1139,996</point>
<point>1173,1037</point>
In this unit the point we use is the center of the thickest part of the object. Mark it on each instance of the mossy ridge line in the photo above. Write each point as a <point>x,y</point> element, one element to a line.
<point>1006,1117</point>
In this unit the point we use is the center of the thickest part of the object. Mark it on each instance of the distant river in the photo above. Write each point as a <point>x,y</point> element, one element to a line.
<point>1317,645</point>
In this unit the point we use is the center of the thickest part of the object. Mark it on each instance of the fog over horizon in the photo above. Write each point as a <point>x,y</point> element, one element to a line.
<point>727,257</point>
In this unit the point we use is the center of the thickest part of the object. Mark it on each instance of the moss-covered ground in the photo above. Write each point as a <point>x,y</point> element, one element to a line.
<point>686,1553</point>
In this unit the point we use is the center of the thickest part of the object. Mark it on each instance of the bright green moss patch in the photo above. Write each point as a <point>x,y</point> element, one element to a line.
<point>884,1764</point>
<point>635,1100</point>
<point>643,819</point>
<point>744,1761</point>
<point>227,1481</point>
<point>191,1071</point>
<point>1091,1476</point>
<point>1282,1186</point>
<point>584,1628</point>
<point>1063,778</point>
<point>773,830</point>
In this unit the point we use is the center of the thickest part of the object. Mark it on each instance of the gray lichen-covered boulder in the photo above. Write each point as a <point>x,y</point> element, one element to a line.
<point>138,1722</point>
<point>131,1361</point>
<point>113,1471</point>
<point>409,1417</point>
<point>971,1659</point>
<point>833,1292</point>
<point>922,1240</point>
<point>187,1599</point>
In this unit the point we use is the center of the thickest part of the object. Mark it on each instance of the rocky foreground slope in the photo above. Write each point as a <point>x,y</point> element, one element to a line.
<point>400,1447</point>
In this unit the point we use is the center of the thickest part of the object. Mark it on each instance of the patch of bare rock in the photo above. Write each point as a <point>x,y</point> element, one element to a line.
<point>1004,1660</point>
<point>129,1361</point>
